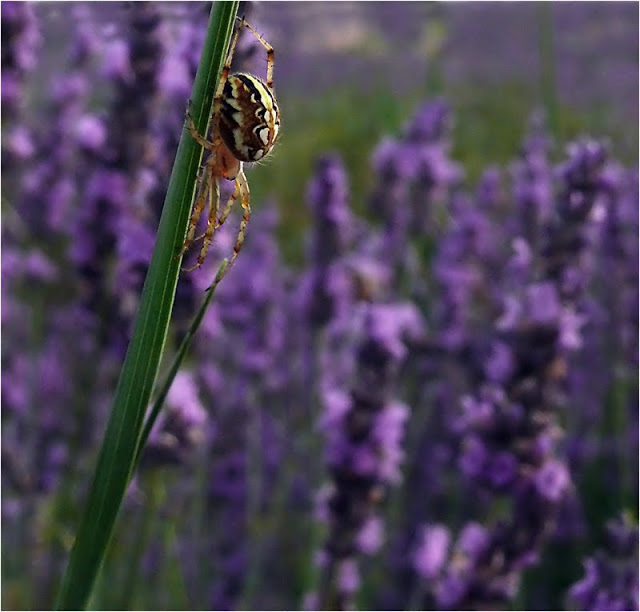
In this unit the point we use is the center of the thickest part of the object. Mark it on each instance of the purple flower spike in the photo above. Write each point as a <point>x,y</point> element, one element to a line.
<point>327,286</point>
<point>431,123</point>
<point>415,175</point>
<point>508,426</point>
<point>20,43</point>
<point>364,431</point>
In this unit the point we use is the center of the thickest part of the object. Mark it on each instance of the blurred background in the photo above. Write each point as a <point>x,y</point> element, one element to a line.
<point>418,386</point>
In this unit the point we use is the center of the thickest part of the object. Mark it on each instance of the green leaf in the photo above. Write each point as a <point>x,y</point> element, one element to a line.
<point>178,358</point>
<point>120,447</point>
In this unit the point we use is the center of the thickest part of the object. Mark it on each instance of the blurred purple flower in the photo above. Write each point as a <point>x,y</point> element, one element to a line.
<point>414,175</point>
<point>20,45</point>
<point>371,536</point>
<point>610,581</point>
<point>502,470</point>
<point>509,433</point>
<point>500,364</point>
<point>180,426</point>
<point>19,50</point>
<point>364,431</point>
<point>532,183</point>
<point>326,288</point>
<point>474,457</point>
<point>432,551</point>
<point>552,480</point>
<point>90,133</point>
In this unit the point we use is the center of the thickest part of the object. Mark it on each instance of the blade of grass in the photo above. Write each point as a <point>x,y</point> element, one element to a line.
<point>120,447</point>
<point>177,360</point>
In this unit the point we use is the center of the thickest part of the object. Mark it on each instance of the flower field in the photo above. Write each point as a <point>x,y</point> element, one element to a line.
<point>417,386</point>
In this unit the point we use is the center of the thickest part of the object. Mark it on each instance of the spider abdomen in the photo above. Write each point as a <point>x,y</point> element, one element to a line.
<point>249,117</point>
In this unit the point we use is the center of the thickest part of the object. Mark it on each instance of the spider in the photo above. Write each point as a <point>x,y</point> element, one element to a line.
<point>245,125</point>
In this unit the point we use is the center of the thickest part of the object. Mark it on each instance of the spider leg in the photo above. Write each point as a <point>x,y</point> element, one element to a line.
<point>227,209</point>
<point>242,187</point>
<point>268,48</point>
<point>227,65</point>
<point>225,213</point>
<point>203,197</point>
<point>213,213</point>
<point>193,130</point>
<point>214,223</point>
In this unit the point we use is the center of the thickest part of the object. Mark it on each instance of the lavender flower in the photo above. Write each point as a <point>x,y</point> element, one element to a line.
<point>415,175</point>
<point>364,432</point>
<point>467,258</point>
<point>20,44</point>
<point>327,285</point>
<point>431,551</point>
<point>610,580</point>
<point>117,203</point>
<point>530,289</point>
<point>509,431</point>
<point>19,50</point>
<point>532,184</point>
<point>564,239</point>
<point>180,427</point>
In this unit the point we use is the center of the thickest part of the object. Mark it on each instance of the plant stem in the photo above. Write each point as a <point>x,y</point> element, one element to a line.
<point>177,360</point>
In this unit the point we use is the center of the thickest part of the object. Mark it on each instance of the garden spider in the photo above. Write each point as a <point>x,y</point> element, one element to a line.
<point>245,125</point>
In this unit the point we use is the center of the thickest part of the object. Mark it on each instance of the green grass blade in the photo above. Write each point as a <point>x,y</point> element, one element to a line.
<point>120,447</point>
<point>177,360</point>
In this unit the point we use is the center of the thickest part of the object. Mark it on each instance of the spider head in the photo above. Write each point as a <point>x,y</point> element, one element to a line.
<point>249,117</point>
